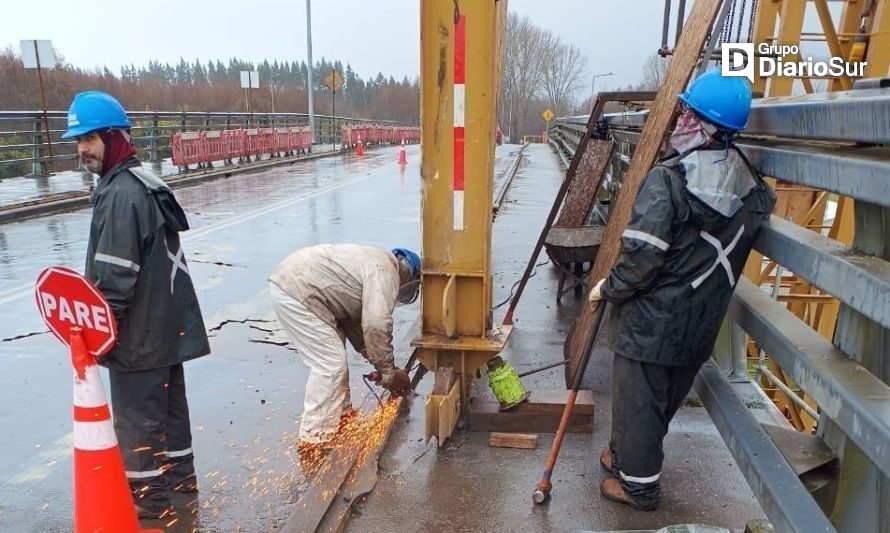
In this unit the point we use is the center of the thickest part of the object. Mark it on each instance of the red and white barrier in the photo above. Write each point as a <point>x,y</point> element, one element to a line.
<point>202,148</point>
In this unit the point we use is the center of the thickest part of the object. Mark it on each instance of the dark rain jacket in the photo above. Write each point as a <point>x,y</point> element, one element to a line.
<point>693,224</point>
<point>135,259</point>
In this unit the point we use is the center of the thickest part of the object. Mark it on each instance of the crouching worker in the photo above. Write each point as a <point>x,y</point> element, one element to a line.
<point>326,294</point>
<point>693,224</point>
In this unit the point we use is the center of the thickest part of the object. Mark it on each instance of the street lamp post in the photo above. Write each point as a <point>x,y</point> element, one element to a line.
<point>309,74</point>
<point>272,94</point>
<point>592,85</point>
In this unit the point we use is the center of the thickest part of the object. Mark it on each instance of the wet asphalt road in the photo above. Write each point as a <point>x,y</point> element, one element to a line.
<point>246,397</point>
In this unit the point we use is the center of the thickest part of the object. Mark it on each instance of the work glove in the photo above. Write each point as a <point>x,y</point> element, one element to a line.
<point>395,381</point>
<point>596,292</point>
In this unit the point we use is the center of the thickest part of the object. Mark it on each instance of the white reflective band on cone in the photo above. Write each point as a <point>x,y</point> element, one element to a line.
<point>94,436</point>
<point>632,479</point>
<point>88,392</point>
<point>179,453</point>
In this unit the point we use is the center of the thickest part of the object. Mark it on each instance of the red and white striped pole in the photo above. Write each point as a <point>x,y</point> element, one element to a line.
<point>460,61</point>
<point>102,500</point>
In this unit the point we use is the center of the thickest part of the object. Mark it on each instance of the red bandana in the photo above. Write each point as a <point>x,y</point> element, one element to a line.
<point>117,149</point>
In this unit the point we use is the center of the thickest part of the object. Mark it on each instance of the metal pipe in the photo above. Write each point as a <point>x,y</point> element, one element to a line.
<point>309,86</point>
<point>543,368</point>
<point>789,392</point>
<point>665,25</point>
<point>681,19</point>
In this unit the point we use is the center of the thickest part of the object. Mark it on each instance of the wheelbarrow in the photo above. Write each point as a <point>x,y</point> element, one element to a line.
<point>569,248</point>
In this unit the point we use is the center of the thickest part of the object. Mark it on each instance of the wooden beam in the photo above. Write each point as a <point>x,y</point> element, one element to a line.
<point>513,440</point>
<point>540,414</point>
<point>661,117</point>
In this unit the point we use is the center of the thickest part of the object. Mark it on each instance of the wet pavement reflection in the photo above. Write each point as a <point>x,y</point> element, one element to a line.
<point>247,396</point>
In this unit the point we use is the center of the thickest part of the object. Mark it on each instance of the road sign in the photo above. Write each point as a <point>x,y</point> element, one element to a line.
<point>67,299</point>
<point>334,81</point>
<point>547,115</point>
<point>250,79</point>
<point>38,54</point>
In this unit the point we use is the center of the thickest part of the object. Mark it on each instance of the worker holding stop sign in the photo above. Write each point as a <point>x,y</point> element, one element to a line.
<point>135,259</point>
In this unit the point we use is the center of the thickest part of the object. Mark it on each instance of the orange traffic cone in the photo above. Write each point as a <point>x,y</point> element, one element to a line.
<point>102,500</point>
<point>359,149</point>
<point>403,159</point>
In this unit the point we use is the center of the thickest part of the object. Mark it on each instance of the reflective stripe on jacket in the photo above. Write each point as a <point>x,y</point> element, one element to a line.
<point>680,261</point>
<point>135,259</point>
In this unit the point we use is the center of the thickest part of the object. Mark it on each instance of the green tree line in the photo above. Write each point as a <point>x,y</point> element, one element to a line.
<point>213,85</point>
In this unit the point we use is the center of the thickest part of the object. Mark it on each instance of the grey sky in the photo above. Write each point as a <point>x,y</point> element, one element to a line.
<point>372,35</point>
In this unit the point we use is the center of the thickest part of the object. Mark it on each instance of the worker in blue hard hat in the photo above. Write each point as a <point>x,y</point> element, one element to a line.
<point>693,224</point>
<point>135,259</point>
<point>328,293</point>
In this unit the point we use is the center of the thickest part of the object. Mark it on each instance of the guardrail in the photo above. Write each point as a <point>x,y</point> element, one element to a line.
<point>24,148</point>
<point>839,143</point>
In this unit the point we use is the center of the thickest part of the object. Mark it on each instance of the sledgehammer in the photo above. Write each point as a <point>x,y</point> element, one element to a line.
<point>542,492</point>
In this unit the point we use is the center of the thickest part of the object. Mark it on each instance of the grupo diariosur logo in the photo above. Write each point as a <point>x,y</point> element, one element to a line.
<point>740,60</point>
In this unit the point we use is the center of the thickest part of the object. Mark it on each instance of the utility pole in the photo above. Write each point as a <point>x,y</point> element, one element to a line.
<point>309,78</point>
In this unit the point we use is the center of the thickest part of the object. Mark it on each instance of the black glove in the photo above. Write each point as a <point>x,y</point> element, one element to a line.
<point>395,381</point>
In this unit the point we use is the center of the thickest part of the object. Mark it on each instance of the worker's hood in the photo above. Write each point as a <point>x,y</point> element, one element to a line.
<point>717,180</point>
<point>173,214</point>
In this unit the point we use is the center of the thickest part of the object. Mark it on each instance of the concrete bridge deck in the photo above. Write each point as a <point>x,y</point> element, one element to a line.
<point>246,397</point>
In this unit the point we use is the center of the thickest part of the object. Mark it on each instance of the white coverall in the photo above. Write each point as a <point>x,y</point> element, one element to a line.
<point>327,293</point>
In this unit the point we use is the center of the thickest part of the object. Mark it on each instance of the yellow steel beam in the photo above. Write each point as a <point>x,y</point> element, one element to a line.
<point>460,66</point>
<point>790,27</point>
<point>878,55</point>
<point>834,46</point>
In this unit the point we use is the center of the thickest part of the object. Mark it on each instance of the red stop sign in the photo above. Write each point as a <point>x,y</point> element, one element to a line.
<point>67,299</point>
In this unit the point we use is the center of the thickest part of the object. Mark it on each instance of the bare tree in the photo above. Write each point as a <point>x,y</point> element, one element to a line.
<point>564,65</point>
<point>654,70</point>
<point>522,71</point>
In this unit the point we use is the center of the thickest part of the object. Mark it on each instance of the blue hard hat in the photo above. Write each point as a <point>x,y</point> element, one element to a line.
<point>724,101</point>
<point>411,258</point>
<point>95,110</point>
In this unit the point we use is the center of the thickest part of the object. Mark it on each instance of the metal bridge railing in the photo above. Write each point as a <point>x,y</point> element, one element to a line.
<point>839,143</point>
<point>23,143</point>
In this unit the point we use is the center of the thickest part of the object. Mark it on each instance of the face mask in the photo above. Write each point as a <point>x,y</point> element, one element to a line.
<point>408,293</point>
<point>690,133</point>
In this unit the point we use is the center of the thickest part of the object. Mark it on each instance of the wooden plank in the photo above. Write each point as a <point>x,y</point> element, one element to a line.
<point>441,413</point>
<point>449,412</point>
<point>588,180</point>
<point>522,441</point>
<point>661,117</point>
<point>445,378</point>
<point>540,414</point>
